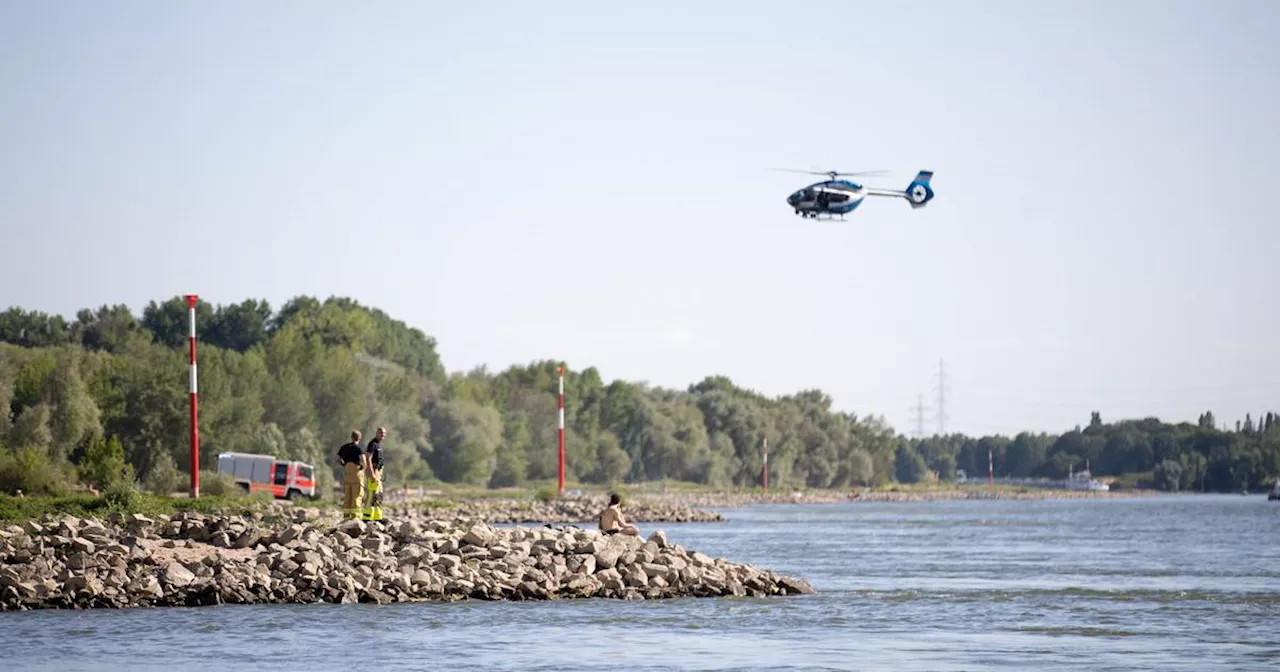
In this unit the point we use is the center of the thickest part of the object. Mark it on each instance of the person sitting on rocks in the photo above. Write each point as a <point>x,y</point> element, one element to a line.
<point>613,522</point>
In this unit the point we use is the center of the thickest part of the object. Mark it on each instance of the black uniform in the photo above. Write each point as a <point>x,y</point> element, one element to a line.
<point>349,453</point>
<point>374,449</point>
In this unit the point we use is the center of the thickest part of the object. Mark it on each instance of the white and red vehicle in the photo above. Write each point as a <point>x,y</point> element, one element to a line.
<point>285,479</point>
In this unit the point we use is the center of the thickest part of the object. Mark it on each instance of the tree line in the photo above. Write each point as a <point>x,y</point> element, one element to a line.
<point>1202,456</point>
<point>104,397</point>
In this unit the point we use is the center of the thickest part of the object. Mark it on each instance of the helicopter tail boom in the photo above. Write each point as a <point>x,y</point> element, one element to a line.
<point>918,193</point>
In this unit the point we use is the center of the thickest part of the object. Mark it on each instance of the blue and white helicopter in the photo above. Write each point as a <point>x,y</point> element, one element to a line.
<point>833,197</point>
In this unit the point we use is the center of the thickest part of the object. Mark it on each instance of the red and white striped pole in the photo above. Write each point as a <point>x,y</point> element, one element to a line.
<point>195,427</point>
<point>560,406</point>
<point>766,463</point>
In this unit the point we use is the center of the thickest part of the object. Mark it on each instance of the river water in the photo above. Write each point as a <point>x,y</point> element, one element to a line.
<point>1160,583</point>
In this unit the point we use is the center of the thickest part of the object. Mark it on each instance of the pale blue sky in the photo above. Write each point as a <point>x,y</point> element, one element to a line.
<point>590,181</point>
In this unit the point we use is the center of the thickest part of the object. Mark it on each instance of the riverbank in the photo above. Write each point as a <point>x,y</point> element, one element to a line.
<point>695,506</point>
<point>644,504</point>
<point>722,500</point>
<point>651,504</point>
<point>582,509</point>
<point>292,554</point>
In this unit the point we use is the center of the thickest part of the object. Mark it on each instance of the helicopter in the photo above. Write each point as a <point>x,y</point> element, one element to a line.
<point>834,197</point>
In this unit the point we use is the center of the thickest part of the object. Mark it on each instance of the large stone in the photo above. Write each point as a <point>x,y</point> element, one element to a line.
<point>352,528</point>
<point>479,535</point>
<point>608,556</point>
<point>796,586</point>
<point>249,538</point>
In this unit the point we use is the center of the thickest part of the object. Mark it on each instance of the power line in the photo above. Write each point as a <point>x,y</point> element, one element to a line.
<point>942,400</point>
<point>918,409</point>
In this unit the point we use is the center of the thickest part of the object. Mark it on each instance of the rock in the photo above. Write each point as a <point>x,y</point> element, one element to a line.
<point>175,574</point>
<point>197,559</point>
<point>796,586</point>
<point>637,577</point>
<point>651,569</point>
<point>289,533</point>
<point>608,556</point>
<point>249,538</point>
<point>479,535</point>
<point>352,528</point>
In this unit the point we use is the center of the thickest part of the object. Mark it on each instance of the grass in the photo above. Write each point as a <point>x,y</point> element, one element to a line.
<point>1133,480</point>
<point>17,510</point>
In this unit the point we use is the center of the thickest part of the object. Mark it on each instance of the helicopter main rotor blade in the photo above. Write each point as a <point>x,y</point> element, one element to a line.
<point>806,172</point>
<point>832,172</point>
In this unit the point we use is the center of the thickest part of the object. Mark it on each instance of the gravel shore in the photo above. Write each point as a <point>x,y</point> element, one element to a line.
<point>291,554</point>
<point>569,510</point>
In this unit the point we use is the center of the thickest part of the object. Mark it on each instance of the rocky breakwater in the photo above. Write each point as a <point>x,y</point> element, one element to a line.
<point>575,510</point>
<point>193,559</point>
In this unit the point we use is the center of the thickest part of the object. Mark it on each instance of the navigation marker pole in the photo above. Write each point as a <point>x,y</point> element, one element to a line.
<point>195,429</point>
<point>766,463</point>
<point>991,474</point>
<point>560,405</point>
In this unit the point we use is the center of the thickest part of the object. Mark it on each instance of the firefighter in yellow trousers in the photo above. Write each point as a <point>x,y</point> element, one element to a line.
<point>373,473</point>
<point>352,461</point>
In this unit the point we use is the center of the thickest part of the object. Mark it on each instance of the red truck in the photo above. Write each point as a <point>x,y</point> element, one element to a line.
<point>285,479</point>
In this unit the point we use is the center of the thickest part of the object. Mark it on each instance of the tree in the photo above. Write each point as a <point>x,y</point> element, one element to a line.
<point>909,467</point>
<point>1168,475</point>
<point>297,382</point>
<point>861,470</point>
<point>239,326</point>
<point>170,322</point>
<point>468,436</point>
<point>104,464</point>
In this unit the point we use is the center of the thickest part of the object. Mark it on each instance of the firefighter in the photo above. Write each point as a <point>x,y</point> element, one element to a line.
<point>373,473</point>
<point>352,462</point>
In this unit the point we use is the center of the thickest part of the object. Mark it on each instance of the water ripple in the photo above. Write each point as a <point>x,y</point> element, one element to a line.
<point>1151,584</point>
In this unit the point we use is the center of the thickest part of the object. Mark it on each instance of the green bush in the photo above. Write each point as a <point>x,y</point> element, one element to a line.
<point>165,479</point>
<point>546,493</point>
<point>122,496</point>
<point>103,464</point>
<point>30,471</point>
<point>219,485</point>
<point>14,509</point>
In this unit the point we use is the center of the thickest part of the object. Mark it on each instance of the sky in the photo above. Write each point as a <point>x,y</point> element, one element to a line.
<point>592,182</point>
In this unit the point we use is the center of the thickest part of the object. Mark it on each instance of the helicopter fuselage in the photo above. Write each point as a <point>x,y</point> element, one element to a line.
<point>830,197</point>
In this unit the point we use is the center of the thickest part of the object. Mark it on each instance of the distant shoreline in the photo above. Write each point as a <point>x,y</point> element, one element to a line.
<point>680,506</point>
<point>731,499</point>
<point>642,504</point>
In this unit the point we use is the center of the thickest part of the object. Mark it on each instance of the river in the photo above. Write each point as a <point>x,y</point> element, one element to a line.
<point>1159,583</point>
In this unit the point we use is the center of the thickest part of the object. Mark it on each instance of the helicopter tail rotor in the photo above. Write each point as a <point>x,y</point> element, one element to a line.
<point>919,192</point>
